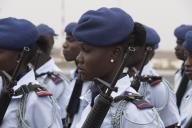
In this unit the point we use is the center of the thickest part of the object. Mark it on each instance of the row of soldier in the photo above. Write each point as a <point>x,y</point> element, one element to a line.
<point>42,97</point>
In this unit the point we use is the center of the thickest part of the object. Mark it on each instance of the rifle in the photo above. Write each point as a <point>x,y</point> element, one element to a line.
<point>74,102</point>
<point>137,78</point>
<point>8,92</point>
<point>104,100</point>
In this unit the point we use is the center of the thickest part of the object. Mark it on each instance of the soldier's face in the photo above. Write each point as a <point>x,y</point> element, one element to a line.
<point>188,65</point>
<point>8,60</point>
<point>71,48</point>
<point>179,51</point>
<point>95,62</point>
<point>136,59</point>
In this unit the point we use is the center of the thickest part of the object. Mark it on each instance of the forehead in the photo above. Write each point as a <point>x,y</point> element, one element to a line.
<point>8,51</point>
<point>179,41</point>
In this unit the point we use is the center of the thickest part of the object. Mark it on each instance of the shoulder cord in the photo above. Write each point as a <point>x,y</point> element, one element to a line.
<point>22,110</point>
<point>116,119</point>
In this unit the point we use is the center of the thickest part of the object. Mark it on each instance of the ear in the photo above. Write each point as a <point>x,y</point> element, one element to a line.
<point>116,53</point>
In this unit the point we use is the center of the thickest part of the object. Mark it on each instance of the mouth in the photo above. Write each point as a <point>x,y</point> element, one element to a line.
<point>188,71</point>
<point>81,70</point>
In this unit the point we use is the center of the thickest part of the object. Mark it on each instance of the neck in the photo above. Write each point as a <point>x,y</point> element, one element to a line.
<point>40,60</point>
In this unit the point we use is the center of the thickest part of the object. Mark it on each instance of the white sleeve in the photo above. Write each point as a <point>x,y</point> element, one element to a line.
<point>42,113</point>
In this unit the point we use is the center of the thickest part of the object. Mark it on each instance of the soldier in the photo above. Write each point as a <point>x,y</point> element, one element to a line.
<point>154,88</point>
<point>48,33</point>
<point>179,33</point>
<point>104,36</point>
<point>71,46</point>
<point>47,72</point>
<point>71,49</point>
<point>186,103</point>
<point>31,104</point>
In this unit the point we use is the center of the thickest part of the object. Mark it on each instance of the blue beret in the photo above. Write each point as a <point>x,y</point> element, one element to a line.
<point>104,27</point>
<point>181,31</point>
<point>188,41</point>
<point>45,29</point>
<point>152,37</point>
<point>70,27</point>
<point>17,33</point>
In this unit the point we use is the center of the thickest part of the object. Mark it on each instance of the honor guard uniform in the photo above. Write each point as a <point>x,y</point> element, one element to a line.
<point>179,33</point>
<point>31,106</point>
<point>47,72</point>
<point>104,28</point>
<point>71,49</point>
<point>155,87</point>
<point>186,102</point>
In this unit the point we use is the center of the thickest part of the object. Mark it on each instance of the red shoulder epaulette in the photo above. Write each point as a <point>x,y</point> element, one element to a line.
<point>141,104</point>
<point>43,93</point>
<point>39,90</point>
<point>154,82</point>
<point>55,78</point>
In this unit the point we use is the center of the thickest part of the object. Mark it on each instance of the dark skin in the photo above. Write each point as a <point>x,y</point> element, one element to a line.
<point>71,48</point>
<point>188,64</point>
<point>179,50</point>
<point>46,43</point>
<point>8,61</point>
<point>94,61</point>
<point>43,51</point>
<point>136,60</point>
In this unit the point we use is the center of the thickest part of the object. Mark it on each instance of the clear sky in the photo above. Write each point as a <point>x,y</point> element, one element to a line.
<point>163,15</point>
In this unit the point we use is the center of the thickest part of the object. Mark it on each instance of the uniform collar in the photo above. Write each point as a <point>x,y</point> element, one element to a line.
<point>123,85</point>
<point>49,66</point>
<point>86,92</point>
<point>148,70</point>
<point>26,79</point>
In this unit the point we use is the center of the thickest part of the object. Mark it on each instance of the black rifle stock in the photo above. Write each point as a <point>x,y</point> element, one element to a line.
<point>104,100</point>
<point>74,102</point>
<point>136,80</point>
<point>7,93</point>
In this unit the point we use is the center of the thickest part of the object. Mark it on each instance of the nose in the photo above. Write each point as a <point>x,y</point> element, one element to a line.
<point>186,63</point>
<point>65,45</point>
<point>176,48</point>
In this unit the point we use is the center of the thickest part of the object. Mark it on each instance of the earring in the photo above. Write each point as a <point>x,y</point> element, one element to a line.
<point>112,60</point>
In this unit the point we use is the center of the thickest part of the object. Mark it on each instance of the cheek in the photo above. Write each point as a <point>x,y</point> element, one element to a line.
<point>99,67</point>
<point>7,64</point>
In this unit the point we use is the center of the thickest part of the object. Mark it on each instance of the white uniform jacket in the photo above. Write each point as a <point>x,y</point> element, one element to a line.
<point>34,111</point>
<point>58,87</point>
<point>161,97</point>
<point>132,116</point>
<point>186,107</point>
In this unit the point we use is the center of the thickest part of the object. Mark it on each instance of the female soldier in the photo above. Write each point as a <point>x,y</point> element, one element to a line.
<point>31,105</point>
<point>104,34</point>
<point>186,102</point>
<point>152,88</point>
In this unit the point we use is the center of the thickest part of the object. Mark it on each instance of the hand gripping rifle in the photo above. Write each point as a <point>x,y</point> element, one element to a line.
<point>137,78</point>
<point>7,91</point>
<point>104,100</point>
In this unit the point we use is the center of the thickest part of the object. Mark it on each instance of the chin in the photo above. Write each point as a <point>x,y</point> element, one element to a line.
<point>189,76</point>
